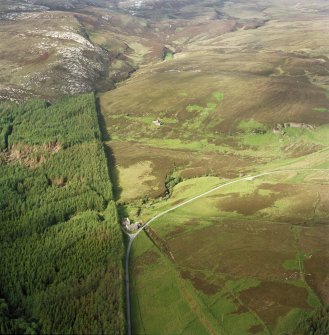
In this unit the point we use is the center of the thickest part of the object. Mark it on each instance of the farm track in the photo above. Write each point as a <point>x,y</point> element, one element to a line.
<point>133,236</point>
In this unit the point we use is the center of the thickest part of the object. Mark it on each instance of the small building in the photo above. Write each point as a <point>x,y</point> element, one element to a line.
<point>132,227</point>
<point>157,122</point>
<point>125,222</point>
<point>128,226</point>
<point>277,130</point>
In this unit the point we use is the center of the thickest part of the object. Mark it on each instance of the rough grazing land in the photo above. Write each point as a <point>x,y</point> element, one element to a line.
<point>255,271</point>
<point>190,92</point>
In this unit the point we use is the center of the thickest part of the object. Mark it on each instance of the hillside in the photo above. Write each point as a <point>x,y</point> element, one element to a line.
<point>61,248</point>
<point>214,118</point>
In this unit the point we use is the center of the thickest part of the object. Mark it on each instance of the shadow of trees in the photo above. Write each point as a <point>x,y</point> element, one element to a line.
<point>110,158</point>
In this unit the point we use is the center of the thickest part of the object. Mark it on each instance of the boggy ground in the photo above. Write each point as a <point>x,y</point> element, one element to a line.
<point>220,76</point>
<point>142,169</point>
<point>256,268</point>
<point>231,80</point>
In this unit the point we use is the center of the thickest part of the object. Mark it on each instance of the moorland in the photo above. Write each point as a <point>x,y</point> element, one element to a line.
<point>190,95</point>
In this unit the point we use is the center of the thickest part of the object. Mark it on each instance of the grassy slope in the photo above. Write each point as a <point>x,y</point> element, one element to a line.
<point>237,252</point>
<point>221,96</point>
<point>222,253</point>
<point>219,99</point>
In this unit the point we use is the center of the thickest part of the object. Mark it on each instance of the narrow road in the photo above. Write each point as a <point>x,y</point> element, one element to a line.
<point>133,236</point>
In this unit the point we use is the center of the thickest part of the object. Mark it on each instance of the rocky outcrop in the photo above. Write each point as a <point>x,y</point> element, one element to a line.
<point>280,127</point>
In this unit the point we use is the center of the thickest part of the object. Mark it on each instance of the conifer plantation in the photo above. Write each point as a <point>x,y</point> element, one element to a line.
<point>61,246</point>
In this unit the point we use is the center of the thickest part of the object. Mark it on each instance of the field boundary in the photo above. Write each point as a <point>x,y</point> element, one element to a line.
<point>133,236</point>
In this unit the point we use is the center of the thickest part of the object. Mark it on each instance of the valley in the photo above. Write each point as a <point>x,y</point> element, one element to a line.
<point>212,133</point>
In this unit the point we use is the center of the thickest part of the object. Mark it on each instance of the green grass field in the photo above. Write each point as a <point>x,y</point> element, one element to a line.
<point>249,258</point>
<point>249,261</point>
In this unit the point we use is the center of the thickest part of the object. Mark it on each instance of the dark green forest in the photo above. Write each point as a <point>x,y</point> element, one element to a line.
<point>61,247</point>
<point>316,324</point>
